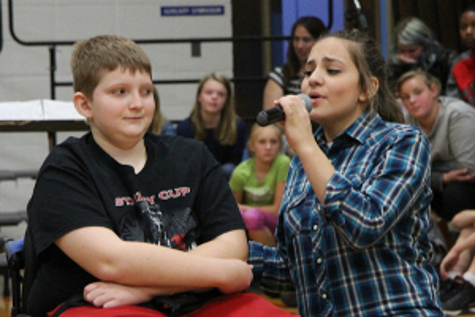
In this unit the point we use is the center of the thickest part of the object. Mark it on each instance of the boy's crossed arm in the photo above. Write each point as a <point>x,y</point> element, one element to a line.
<point>134,272</point>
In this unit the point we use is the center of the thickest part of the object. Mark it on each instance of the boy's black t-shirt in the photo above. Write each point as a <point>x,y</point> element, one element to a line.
<point>80,185</point>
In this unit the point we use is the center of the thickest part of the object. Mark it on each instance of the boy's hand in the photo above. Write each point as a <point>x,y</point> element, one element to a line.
<point>459,175</point>
<point>104,294</point>
<point>237,276</point>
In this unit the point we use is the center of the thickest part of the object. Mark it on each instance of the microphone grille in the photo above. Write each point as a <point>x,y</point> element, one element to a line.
<point>307,101</point>
<point>262,119</point>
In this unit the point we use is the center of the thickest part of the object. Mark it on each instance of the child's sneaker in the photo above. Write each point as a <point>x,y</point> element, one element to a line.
<point>444,288</point>
<point>458,297</point>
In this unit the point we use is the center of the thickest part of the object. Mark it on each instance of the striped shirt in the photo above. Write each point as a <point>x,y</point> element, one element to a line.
<point>364,251</point>
<point>293,87</point>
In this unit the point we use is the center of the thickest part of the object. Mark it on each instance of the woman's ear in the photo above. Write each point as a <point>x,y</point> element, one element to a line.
<point>370,91</point>
<point>82,105</point>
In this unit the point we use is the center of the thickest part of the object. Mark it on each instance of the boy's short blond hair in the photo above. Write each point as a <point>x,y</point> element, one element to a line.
<point>429,79</point>
<point>92,58</point>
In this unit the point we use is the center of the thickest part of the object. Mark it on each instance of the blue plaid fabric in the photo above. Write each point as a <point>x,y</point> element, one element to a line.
<point>364,251</point>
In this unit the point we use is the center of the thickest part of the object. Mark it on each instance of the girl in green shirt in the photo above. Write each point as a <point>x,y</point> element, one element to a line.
<point>258,183</point>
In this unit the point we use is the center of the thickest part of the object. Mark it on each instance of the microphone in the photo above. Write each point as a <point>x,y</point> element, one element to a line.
<point>277,114</point>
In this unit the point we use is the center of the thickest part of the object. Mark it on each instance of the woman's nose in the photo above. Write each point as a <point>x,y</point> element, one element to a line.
<point>315,78</point>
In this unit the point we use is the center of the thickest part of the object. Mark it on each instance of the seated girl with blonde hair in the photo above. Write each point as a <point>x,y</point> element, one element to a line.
<point>258,183</point>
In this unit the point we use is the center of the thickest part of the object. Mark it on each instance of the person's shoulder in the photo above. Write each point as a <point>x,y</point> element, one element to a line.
<point>70,146</point>
<point>403,137</point>
<point>399,127</point>
<point>277,75</point>
<point>457,105</point>
<point>455,111</point>
<point>245,165</point>
<point>244,169</point>
<point>68,154</point>
<point>396,131</point>
<point>277,70</point>
<point>282,159</point>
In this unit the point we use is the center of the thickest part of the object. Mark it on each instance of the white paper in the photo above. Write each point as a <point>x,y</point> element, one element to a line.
<point>39,110</point>
<point>60,110</point>
<point>21,111</point>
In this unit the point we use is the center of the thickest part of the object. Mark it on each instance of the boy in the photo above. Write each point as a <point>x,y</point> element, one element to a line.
<point>100,199</point>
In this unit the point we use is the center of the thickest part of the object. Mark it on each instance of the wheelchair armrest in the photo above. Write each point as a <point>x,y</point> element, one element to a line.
<point>15,254</point>
<point>14,251</point>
